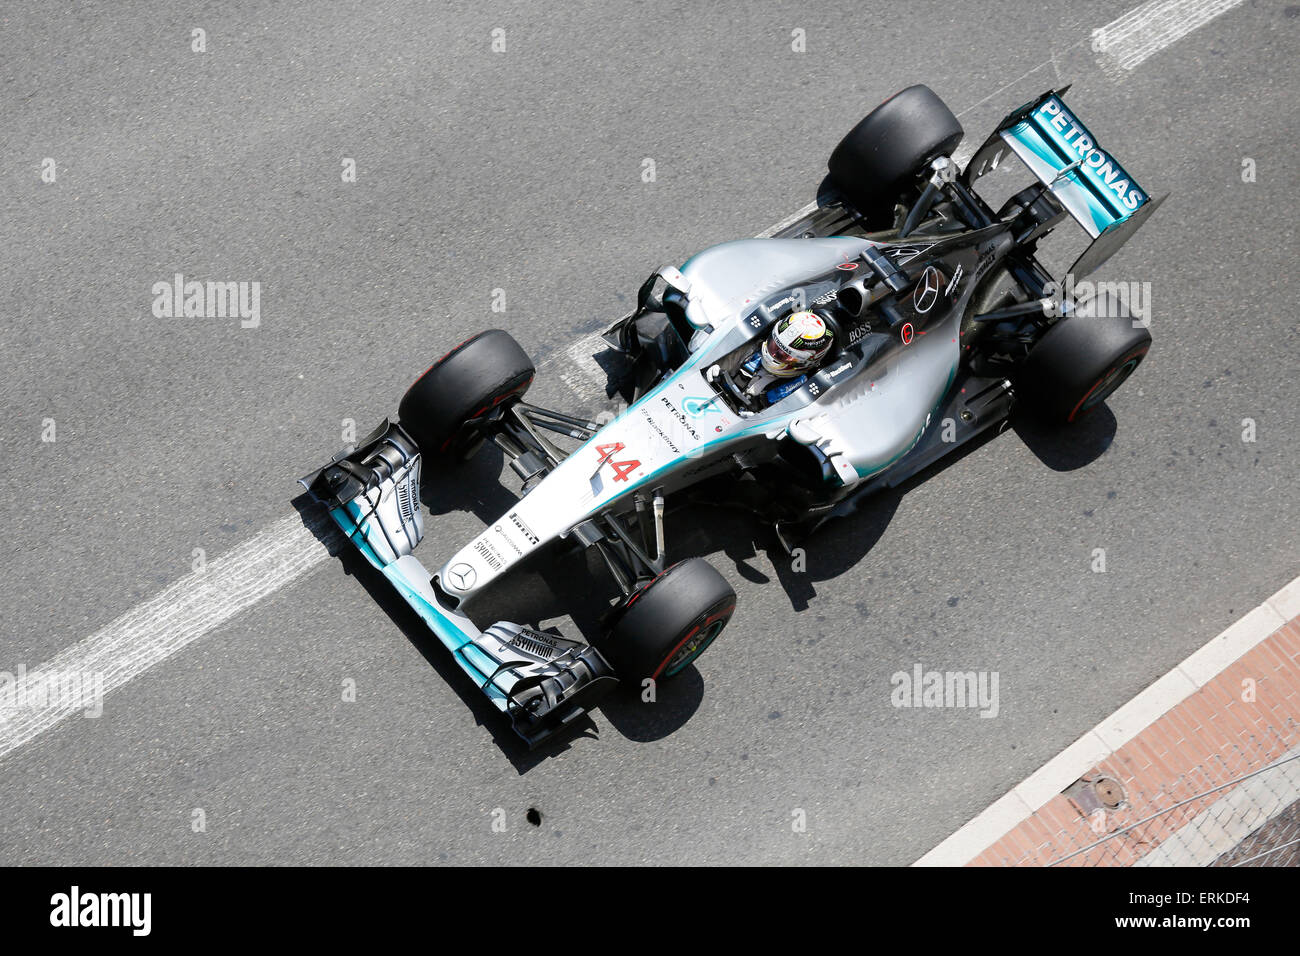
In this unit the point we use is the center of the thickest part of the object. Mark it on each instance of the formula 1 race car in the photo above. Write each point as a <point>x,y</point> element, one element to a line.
<point>877,333</point>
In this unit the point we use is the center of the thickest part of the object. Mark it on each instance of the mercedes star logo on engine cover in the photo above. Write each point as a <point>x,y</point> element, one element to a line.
<point>927,290</point>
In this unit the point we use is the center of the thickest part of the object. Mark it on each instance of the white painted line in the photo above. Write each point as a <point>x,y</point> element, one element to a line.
<point>153,631</point>
<point>1287,601</point>
<point>203,600</point>
<point>1140,712</point>
<point>1146,30</point>
<point>972,839</point>
<point>1200,667</point>
<point>1210,661</point>
<point>1062,770</point>
<point>581,372</point>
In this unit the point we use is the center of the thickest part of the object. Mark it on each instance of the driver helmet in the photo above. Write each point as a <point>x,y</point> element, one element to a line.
<point>797,344</point>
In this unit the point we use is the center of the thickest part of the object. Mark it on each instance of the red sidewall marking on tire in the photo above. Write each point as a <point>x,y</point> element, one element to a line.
<point>1114,368</point>
<point>503,396</point>
<point>645,587</point>
<point>445,357</point>
<point>669,656</point>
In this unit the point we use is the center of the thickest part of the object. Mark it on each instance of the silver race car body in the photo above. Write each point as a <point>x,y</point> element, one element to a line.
<point>934,314</point>
<point>870,404</point>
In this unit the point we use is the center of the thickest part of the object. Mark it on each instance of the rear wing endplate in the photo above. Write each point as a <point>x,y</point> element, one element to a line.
<point>1086,180</point>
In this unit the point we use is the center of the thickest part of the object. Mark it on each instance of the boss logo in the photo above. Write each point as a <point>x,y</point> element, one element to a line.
<point>858,331</point>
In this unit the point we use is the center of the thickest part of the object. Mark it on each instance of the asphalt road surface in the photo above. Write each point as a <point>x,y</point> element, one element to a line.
<point>521,170</point>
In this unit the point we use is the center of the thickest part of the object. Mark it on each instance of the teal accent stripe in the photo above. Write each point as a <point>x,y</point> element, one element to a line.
<point>472,660</point>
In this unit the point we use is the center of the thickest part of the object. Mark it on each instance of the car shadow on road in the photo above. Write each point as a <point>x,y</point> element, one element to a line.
<point>843,542</point>
<point>474,486</point>
<point>1065,448</point>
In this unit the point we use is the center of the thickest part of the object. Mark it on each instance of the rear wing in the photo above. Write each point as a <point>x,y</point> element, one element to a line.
<point>1086,180</point>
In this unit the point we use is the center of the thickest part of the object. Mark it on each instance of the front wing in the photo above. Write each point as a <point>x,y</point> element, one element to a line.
<point>542,682</point>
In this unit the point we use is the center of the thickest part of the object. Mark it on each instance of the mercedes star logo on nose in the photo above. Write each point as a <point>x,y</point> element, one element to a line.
<point>462,576</point>
<point>927,290</point>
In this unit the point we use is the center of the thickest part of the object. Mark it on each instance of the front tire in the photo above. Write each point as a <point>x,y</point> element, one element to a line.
<point>670,622</point>
<point>1080,362</point>
<point>474,378</point>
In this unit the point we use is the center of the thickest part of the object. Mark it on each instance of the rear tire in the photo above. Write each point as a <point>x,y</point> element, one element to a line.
<point>472,379</point>
<point>669,622</point>
<point>876,163</point>
<point>1081,361</point>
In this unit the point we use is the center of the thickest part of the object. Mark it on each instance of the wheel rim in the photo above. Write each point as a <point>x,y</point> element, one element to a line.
<point>693,648</point>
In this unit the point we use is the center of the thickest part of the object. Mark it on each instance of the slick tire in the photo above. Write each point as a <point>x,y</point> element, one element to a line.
<point>669,622</point>
<point>1079,363</point>
<point>471,380</point>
